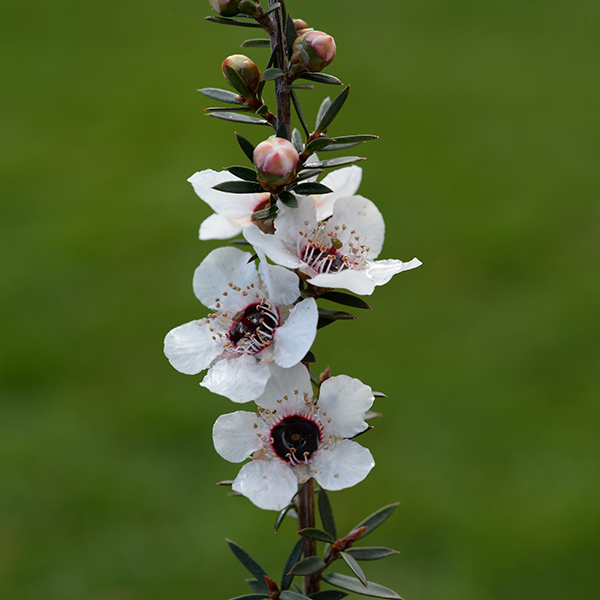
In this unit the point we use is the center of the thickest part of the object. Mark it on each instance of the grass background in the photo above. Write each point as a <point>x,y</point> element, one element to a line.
<point>487,170</point>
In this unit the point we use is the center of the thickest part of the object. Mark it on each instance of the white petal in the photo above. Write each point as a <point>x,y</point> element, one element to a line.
<point>345,400</point>
<point>295,337</point>
<point>220,268</point>
<point>282,284</point>
<point>344,182</point>
<point>272,246</point>
<point>218,227</point>
<point>359,214</point>
<point>232,206</point>
<point>235,435</point>
<point>190,347</point>
<point>240,379</point>
<point>291,221</point>
<point>285,382</point>
<point>381,271</point>
<point>270,484</point>
<point>343,465</point>
<point>354,281</point>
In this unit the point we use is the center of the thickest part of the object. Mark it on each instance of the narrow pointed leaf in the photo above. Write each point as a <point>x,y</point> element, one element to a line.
<point>309,357</point>
<point>227,108</point>
<point>339,147</point>
<point>290,36</point>
<point>377,518</point>
<point>272,74</point>
<point>225,482</point>
<point>328,595</point>
<point>297,141</point>
<point>244,173</point>
<point>238,118</point>
<point>371,414</point>
<point>221,95</point>
<point>287,595</point>
<point>318,144</point>
<point>333,110</point>
<point>306,189</point>
<point>256,586</point>
<point>272,8</point>
<point>256,43</point>
<point>316,534</point>
<point>379,394</point>
<point>371,553</point>
<point>261,111</point>
<point>246,146</point>
<point>323,109</point>
<point>264,214</point>
<point>299,112</point>
<point>288,199</point>
<point>224,21</point>
<point>308,174</point>
<point>334,162</point>
<point>348,139</point>
<point>326,514</point>
<point>354,567</point>
<point>321,78</point>
<point>251,597</point>
<point>336,315</point>
<point>282,131</point>
<point>293,558</point>
<point>299,86</point>
<point>281,516</point>
<point>236,82</point>
<point>345,299</point>
<point>251,565</point>
<point>239,187</point>
<point>374,590</point>
<point>308,566</point>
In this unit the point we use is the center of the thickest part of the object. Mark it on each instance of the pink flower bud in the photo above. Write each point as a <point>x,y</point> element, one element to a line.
<point>312,51</point>
<point>300,26</point>
<point>275,160</point>
<point>245,68</point>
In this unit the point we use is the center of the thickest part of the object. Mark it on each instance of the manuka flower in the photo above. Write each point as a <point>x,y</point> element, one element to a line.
<point>339,252</point>
<point>233,212</point>
<point>255,322</point>
<point>294,437</point>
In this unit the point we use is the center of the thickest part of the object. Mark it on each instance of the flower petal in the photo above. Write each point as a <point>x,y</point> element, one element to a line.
<point>345,400</point>
<point>190,347</point>
<point>218,227</point>
<point>269,484</point>
<point>238,435</point>
<point>282,284</point>
<point>240,379</point>
<point>285,382</point>
<point>272,246</point>
<point>220,268</point>
<point>353,281</point>
<point>343,465</point>
<point>381,271</point>
<point>344,182</point>
<point>295,337</point>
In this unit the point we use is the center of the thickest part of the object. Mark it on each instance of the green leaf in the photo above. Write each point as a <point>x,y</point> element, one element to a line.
<point>308,174</point>
<point>349,141</point>
<point>239,187</point>
<point>345,299</point>
<point>249,563</point>
<point>316,534</point>
<point>256,586</point>
<point>323,109</point>
<point>236,82</point>
<point>312,187</point>
<point>299,112</point>
<point>290,36</point>
<point>262,110</point>
<point>379,394</point>
<point>251,597</point>
<point>264,214</point>
<point>327,317</point>
<point>246,146</point>
<point>309,357</point>
<point>282,131</point>
<point>287,595</point>
<point>288,199</point>
<point>374,590</point>
<point>309,565</point>
<point>326,513</point>
<point>220,95</point>
<point>377,518</point>
<point>328,595</point>
<point>333,110</point>
<point>272,8</point>
<point>224,21</point>
<point>299,86</point>
<point>339,147</point>
<point>256,43</point>
<point>225,482</point>
<point>297,141</point>
<point>237,118</point>
<point>371,414</point>
<point>282,514</point>
<point>227,108</point>
<point>334,162</point>
<point>293,558</point>
<point>244,173</point>
<point>354,567</point>
<point>272,74</point>
<point>371,553</point>
<point>318,144</point>
<point>321,78</point>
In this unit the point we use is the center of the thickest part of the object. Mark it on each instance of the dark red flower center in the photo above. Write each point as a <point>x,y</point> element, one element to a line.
<point>295,439</point>
<point>254,327</point>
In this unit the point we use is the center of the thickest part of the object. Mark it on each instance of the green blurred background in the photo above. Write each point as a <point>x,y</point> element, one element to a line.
<point>487,170</point>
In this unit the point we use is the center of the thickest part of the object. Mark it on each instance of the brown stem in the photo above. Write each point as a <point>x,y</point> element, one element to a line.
<point>283,96</point>
<point>306,518</point>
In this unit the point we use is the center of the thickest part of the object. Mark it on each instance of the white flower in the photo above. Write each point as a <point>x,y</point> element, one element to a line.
<point>293,437</point>
<point>339,252</point>
<point>233,211</point>
<point>255,322</point>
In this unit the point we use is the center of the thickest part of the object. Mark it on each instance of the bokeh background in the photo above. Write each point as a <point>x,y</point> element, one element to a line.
<point>487,170</point>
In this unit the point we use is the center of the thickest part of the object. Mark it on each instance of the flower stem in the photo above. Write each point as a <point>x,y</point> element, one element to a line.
<point>306,518</point>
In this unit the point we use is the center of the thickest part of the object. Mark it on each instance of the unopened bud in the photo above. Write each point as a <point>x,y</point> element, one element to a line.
<point>245,68</point>
<point>230,8</point>
<point>275,160</point>
<point>300,26</point>
<point>312,51</point>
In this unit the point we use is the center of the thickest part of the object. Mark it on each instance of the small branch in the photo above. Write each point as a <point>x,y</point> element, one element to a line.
<point>306,518</point>
<point>278,48</point>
